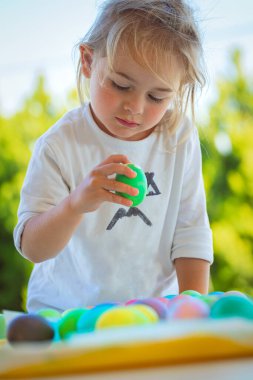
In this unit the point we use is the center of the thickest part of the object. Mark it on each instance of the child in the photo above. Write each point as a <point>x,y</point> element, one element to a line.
<point>142,59</point>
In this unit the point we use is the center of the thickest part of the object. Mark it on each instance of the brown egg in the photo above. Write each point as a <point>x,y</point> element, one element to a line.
<point>29,328</point>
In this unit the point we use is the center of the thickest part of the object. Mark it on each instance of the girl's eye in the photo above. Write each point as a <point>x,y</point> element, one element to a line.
<point>121,88</point>
<point>154,99</point>
<point>126,88</point>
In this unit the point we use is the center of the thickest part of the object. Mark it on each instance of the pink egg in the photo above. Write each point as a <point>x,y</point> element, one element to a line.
<point>188,308</point>
<point>164,300</point>
<point>183,297</point>
<point>130,302</point>
<point>160,307</point>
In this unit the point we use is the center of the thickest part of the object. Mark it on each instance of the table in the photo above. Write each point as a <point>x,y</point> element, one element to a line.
<point>240,369</point>
<point>194,350</point>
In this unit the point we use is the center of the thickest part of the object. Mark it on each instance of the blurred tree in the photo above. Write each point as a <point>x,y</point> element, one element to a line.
<point>227,142</point>
<point>18,134</point>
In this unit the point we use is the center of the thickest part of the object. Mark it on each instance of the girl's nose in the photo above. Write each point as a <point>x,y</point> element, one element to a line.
<point>134,105</point>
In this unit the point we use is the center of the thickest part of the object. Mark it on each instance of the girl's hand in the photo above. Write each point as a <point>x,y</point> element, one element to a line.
<point>98,187</point>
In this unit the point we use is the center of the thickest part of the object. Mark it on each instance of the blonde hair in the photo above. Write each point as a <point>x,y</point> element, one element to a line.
<point>145,29</point>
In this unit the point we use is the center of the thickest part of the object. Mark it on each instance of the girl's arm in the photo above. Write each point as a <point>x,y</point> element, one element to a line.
<point>192,249</point>
<point>192,274</point>
<point>46,234</point>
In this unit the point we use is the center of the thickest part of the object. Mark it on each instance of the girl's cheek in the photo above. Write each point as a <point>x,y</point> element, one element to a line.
<point>107,92</point>
<point>156,112</point>
<point>106,101</point>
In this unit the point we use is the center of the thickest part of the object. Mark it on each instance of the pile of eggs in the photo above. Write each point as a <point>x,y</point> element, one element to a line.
<point>50,325</point>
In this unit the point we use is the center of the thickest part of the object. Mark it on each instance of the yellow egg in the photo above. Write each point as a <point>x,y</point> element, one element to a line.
<point>150,313</point>
<point>121,316</point>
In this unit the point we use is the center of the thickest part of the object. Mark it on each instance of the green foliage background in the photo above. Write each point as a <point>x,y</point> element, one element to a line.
<point>227,168</point>
<point>227,142</point>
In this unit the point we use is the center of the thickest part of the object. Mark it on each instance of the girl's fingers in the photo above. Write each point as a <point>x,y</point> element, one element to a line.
<point>106,188</point>
<point>112,168</point>
<point>112,185</point>
<point>115,198</point>
<point>115,158</point>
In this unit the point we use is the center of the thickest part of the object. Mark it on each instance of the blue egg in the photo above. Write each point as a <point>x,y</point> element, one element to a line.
<point>170,296</point>
<point>216,293</point>
<point>232,306</point>
<point>87,322</point>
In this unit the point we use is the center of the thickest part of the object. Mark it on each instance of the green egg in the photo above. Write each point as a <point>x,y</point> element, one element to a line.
<point>139,182</point>
<point>2,326</point>
<point>49,313</point>
<point>68,323</point>
<point>192,293</point>
<point>232,306</point>
<point>209,299</point>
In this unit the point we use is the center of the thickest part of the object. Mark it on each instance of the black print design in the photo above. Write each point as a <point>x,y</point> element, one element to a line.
<point>151,182</point>
<point>132,211</point>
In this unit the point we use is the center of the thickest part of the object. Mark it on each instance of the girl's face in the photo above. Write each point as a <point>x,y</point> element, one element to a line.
<point>129,102</point>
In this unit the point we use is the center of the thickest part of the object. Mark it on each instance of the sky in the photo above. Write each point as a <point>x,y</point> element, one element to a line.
<point>38,36</point>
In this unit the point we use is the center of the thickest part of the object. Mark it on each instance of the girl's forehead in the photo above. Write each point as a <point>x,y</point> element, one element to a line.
<point>166,67</point>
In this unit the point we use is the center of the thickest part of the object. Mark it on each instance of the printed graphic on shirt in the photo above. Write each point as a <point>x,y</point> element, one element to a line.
<point>151,183</point>
<point>134,211</point>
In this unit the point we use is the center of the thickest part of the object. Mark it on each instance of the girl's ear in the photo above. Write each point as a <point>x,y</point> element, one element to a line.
<point>86,54</point>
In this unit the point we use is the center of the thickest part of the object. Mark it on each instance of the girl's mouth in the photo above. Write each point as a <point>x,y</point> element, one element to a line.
<point>125,123</point>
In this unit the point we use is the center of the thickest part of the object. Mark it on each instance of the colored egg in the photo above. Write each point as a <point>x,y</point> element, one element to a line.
<point>164,300</point>
<point>53,322</point>
<point>67,311</point>
<point>160,307</point>
<point>188,308</point>
<point>87,321</point>
<point>232,306</point>
<point>216,293</point>
<point>180,297</point>
<point>192,293</point>
<point>121,316</point>
<point>49,313</point>
<point>235,293</point>
<point>148,311</point>
<point>209,299</point>
<point>2,326</point>
<point>139,182</point>
<point>134,300</point>
<point>29,328</point>
<point>68,323</point>
<point>170,296</point>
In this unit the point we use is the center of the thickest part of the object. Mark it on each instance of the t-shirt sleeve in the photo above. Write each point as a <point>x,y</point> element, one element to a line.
<point>44,187</point>
<point>193,236</point>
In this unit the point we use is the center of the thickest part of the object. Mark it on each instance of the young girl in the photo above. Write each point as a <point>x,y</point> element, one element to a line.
<point>142,60</point>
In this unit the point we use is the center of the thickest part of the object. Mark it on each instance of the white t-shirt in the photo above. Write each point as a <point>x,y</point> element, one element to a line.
<point>116,253</point>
